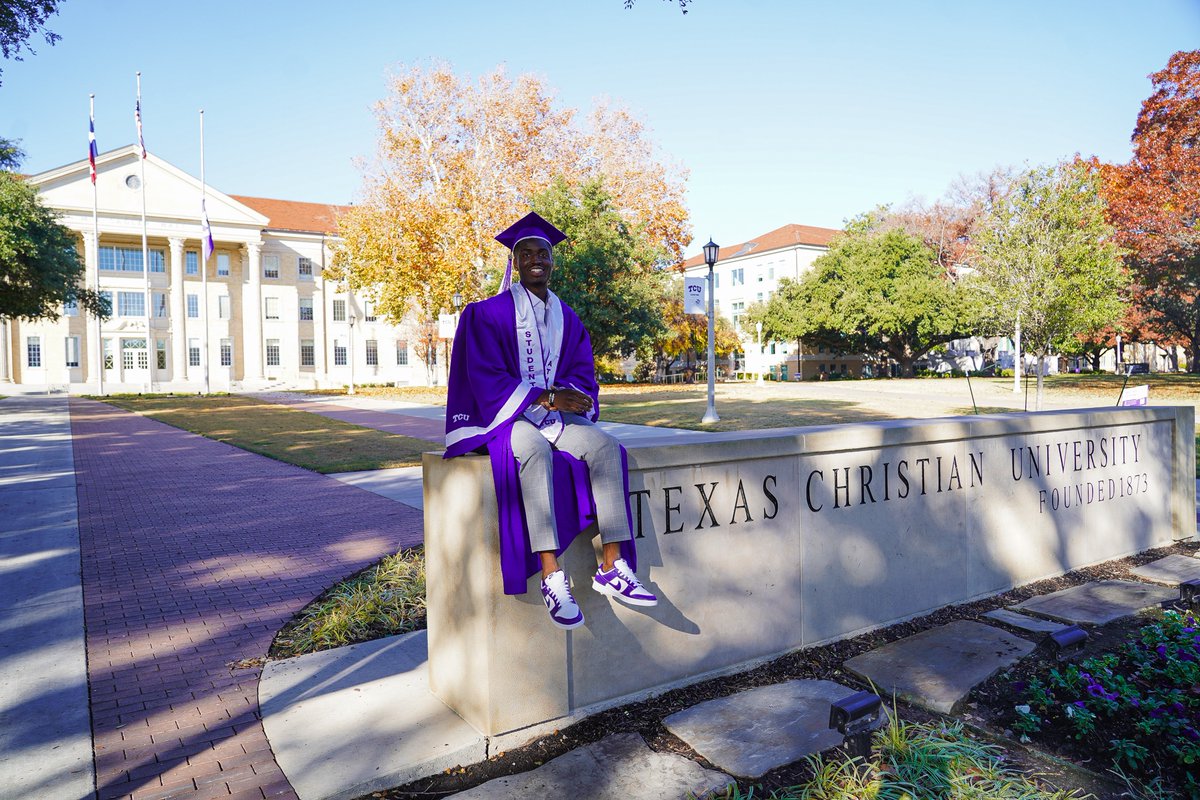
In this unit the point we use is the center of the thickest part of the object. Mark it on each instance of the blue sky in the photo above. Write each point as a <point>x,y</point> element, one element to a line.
<point>782,111</point>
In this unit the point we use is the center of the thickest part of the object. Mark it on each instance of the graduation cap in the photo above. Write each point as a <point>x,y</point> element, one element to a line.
<point>530,226</point>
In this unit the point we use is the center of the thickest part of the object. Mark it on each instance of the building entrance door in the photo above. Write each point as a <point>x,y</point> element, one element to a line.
<point>135,361</point>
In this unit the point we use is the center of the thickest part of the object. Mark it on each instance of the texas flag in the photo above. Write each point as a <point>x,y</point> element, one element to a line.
<point>92,145</point>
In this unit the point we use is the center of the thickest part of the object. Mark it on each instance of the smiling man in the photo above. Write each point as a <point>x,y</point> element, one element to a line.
<point>523,387</point>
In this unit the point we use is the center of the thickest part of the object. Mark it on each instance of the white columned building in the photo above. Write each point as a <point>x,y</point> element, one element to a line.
<point>268,318</point>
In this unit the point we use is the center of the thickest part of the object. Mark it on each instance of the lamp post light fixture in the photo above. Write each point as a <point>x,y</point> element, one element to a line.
<point>352,320</point>
<point>711,251</point>
<point>761,356</point>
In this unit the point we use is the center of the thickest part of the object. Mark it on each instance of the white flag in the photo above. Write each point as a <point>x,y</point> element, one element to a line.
<point>1135,396</point>
<point>446,325</point>
<point>693,296</point>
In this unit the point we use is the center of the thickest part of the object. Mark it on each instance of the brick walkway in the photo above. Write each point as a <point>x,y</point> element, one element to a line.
<point>194,555</point>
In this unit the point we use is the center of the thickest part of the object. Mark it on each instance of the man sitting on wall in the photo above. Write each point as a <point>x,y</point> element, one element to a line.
<point>523,385</point>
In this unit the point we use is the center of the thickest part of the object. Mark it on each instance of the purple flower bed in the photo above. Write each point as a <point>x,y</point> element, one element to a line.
<point>1135,708</point>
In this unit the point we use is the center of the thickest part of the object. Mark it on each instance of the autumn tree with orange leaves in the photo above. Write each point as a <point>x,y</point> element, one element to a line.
<point>458,161</point>
<point>1154,203</point>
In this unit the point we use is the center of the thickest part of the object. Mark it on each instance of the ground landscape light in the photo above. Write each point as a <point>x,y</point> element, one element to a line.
<point>1065,643</point>
<point>1189,594</point>
<point>854,717</point>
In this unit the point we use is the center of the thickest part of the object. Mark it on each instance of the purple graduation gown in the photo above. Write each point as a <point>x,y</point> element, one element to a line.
<point>486,395</point>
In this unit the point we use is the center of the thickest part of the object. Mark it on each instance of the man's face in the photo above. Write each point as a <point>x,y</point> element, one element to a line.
<point>535,263</point>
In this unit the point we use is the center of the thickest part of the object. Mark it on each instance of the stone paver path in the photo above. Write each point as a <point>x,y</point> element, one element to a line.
<point>750,733</point>
<point>1098,602</point>
<point>194,555</point>
<point>1172,569</point>
<point>620,766</point>
<point>937,668</point>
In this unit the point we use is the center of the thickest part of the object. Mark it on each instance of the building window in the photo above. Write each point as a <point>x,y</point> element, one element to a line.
<point>272,306</point>
<point>222,264</point>
<point>160,354</point>
<point>402,353</point>
<point>131,304</point>
<point>223,306</point>
<point>33,351</point>
<point>737,276</point>
<point>193,352</point>
<point>372,353</point>
<point>108,356</point>
<point>759,297</point>
<point>193,306</point>
<point>272,352</point>
<point>304,269</point>
<point>737,309</point>
<point>307,353</point>
<point>771,273</point>
<point>759,272</point>
<point>339,310</point>
<point>271,266</point>
<point>369,312</point>
<point>160,305</point>
<point>106,296</point>
<point>191,262</point>
<point>72,351</point>
<point>306,309</point>
<point>339,354</point>
<point>71,308</point>
<point>716,280</point>
<point>226,352</point>
<point>129,259</point>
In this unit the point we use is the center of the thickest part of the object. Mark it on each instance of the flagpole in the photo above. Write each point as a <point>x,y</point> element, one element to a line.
<point>96,244</point>
<point>206,253</point>
<point>150,350</point>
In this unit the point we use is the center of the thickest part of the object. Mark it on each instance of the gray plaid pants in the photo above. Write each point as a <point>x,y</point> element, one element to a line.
<point>588,443</point>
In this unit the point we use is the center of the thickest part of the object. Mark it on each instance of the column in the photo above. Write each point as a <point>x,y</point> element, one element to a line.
<point>319,344</point>
<point>177,324</point>
<point>5,375</point>
<point>95,358</point>
<point>252,313</point>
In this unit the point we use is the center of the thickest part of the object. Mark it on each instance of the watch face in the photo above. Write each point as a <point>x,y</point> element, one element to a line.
<point>132,181</point>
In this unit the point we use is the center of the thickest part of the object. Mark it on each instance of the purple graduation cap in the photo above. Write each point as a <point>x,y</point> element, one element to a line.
<point>530,226</point>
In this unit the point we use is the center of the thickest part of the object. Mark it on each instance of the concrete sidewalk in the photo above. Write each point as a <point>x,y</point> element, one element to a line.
<point>45,727</point>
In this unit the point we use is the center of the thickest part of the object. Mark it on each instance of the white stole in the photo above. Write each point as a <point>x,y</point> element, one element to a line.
<point>539,359</point>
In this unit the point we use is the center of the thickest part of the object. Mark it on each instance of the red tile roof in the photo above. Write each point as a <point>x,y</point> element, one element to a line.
<point>289,215</point>
<point>787,236</point>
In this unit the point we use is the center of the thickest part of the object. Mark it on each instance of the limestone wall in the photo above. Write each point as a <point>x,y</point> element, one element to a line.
<point>759,543</point>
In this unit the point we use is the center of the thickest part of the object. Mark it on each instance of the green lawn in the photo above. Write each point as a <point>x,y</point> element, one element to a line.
<point>286,434</point>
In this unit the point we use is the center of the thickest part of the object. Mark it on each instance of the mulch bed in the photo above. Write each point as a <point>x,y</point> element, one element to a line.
<point>821,663</point>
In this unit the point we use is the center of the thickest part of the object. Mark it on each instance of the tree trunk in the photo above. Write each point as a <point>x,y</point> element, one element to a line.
<point>1041,367</point>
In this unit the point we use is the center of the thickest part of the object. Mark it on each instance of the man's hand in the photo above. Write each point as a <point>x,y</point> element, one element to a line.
<point>571,401</point>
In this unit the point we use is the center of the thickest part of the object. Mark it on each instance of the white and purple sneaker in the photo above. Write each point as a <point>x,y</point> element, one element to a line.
<point>564,611</point>
<point>620,583</point>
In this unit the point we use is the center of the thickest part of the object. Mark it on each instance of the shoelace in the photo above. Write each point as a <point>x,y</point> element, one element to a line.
<point>553,590</point>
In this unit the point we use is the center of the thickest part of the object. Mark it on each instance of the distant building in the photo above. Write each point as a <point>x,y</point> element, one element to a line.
<point>265,316</point>
<point>750,272</point>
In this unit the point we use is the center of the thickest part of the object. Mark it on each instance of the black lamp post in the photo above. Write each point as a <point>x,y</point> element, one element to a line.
<point>711,251</point>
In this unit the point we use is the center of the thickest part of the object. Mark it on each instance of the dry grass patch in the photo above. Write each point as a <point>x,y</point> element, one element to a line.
<point>286,434</point>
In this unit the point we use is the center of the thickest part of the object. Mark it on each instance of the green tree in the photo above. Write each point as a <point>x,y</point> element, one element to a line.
<point>1047,261</point>
<point>607,270</point>
<point>684,337</point>
<point>21,19</point>
<point>879,290</point>
<point>40,268</point>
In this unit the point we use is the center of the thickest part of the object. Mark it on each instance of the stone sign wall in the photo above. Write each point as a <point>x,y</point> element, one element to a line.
<point>759,543</point>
